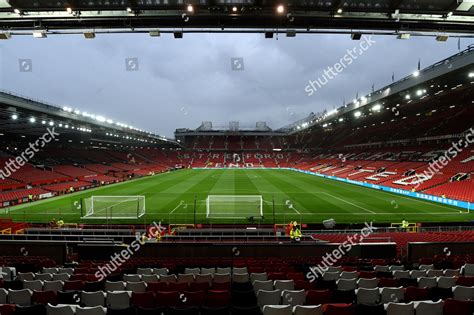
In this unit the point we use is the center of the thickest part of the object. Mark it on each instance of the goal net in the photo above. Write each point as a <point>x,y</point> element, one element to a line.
<point>234,206</point>
<point>114,207</point>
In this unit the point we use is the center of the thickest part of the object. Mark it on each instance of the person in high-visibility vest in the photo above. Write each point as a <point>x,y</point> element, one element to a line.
<point>405,224</point>
<point>60,223</point>
<point>295,233</point>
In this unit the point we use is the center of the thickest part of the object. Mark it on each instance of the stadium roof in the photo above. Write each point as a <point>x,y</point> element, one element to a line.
<point>391,16</point>
<point>445,75</point>
<point>23,117</point>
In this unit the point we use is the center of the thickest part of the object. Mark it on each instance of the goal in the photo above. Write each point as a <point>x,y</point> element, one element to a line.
<point>234,206</point>
<point>113,207</point>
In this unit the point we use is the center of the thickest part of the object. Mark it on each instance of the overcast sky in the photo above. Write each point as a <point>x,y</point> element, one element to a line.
<point>180,83</point>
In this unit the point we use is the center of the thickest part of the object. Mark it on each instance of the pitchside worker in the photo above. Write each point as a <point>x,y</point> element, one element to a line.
<point>295,233</point>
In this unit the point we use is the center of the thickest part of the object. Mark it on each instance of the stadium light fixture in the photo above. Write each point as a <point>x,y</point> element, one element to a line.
<point>377,107</point>
<point>190,8</point>
<point>51,123</point>
<point>43,122</point>
<point>341,119</point>
<point>357,114</point>
<point>69,10</point>
<point>14,116</point>
<point>280,9</point>
<point>39,34</point>
<point>407,96</point>
<point>129,10</point>
<point>32,120</point>
<point>5,35</point>
<point>416,73</point>
<point>404,36</point>
<point>155,33</point>
<point>89,35</point>
<point>471,75</point>
<point>442,38</point>
<point>234,9</point>
<point>339,11</point>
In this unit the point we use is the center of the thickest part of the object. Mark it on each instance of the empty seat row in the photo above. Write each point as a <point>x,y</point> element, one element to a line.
<point>422,282</point>
<point>398,274</point>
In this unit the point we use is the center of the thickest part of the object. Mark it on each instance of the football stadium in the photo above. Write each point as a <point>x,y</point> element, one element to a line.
<point>237,157</point>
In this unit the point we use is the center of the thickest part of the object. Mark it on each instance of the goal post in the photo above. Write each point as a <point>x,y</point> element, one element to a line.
<point>234,206</point>
<point>114,207</point>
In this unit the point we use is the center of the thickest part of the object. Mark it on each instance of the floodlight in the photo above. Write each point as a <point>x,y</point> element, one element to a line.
<point>5,35</point>
<point>404,36</point>
<point>155,33</point>
<point>89,35</point>
<point>442,38</point>
<point>377,107</point>
<point>39,34</point>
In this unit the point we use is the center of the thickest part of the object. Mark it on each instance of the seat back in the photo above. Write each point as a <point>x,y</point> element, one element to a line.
<point>265,297</point>
<point>293,297</point>
<point>429,308</point>
<point>400,308</point>
<point>308,310</point>
<point>368,296</point>
<point>277,310</point>
<point>92,299</point>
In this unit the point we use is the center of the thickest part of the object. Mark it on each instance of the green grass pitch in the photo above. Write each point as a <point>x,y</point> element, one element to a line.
<point>170,198</point>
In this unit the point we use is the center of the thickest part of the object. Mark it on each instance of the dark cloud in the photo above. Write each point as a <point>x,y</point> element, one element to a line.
<point>180,83</point>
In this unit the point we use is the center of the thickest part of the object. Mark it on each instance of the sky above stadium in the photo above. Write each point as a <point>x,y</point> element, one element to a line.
<point>160,84</point>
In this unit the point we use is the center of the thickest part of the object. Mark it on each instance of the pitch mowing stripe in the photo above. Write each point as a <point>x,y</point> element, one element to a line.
<point>210,181</point>
<point>372,194</point>
<point>300,182</point>
<point>202,182</point>
<point>305,201</point>
<point>88,191</point>
<point>281,183</point>
<point>266,182</point>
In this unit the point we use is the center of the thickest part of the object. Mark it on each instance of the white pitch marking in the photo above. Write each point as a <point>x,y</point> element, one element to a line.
<point>348,202</point>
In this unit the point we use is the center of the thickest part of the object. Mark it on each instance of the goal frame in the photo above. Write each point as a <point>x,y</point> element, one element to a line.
<point>138,215</point>
<point>209,216</point>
